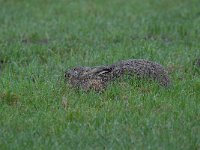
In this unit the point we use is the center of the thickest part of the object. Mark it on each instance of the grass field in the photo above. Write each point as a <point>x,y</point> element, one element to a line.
<point>39,40</point>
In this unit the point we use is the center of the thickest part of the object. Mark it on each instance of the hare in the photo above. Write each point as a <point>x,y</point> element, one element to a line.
<point>98,77</point>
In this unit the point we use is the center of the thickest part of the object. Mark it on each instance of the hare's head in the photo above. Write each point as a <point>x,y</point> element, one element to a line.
<point>77,72</point>
<point>88,77</point>
<point>86,72</point>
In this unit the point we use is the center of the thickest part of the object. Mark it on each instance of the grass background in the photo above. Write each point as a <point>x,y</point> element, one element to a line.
<point>39,40</point>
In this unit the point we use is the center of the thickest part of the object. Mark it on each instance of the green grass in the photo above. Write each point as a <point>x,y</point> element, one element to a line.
<point>39,40</point>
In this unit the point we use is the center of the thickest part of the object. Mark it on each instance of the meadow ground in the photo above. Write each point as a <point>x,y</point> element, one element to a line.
<point>39,40</point>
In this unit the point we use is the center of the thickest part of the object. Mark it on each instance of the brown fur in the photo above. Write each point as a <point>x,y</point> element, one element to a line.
<point>98,77</point>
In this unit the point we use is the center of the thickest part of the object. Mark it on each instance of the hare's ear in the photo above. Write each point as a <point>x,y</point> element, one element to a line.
<point>98,71</point>
<point>104,71</point>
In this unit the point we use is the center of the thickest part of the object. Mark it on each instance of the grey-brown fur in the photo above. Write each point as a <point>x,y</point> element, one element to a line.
<point>98,77</point>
